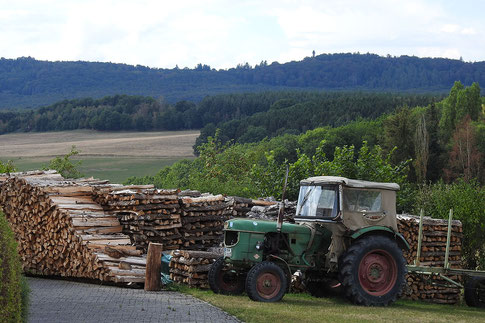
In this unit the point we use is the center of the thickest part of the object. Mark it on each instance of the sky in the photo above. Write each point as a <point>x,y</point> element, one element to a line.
<point>222,34</point>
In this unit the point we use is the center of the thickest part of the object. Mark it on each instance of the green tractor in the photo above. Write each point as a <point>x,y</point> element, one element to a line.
<point>344,235</point>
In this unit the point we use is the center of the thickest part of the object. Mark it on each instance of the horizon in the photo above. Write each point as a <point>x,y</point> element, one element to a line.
<point>233,67</point>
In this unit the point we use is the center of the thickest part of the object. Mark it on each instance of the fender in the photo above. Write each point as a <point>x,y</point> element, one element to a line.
<point>402,243</point>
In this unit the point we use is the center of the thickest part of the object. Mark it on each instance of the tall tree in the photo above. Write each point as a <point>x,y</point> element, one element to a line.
<point>465,159</point>
<point>421,147</point>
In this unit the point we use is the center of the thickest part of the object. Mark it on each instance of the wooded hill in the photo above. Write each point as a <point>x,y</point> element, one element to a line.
<point>26,82</point>
<point>270,112</point>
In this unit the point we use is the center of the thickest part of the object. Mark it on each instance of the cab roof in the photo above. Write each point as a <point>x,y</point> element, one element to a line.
<point>354,183</point>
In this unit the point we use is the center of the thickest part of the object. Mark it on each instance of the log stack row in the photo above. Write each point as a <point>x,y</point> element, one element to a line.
<point>433,250</point>
<point>190,267</point>
<point>61,231</point>
<point>147,214</point>
<point>203,220</point>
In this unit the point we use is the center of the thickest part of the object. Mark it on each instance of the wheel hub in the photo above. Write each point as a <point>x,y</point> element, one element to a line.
<point>377,272</point>
<point>268,285</point>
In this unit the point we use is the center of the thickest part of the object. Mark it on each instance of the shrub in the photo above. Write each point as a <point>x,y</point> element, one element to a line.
<point>65,166</point>
<point>10,275</point>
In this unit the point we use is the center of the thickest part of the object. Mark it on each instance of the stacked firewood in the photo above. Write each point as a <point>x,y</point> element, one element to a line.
<point>238,207</point>
<point>61,231</point>
<point>147,214</point>
<point>191,267</point>
<point>203,220</point>
<point>433,250</point>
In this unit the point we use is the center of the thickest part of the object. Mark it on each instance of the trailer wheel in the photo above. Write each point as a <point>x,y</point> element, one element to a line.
<point>475,292</point>
<point>223,280</point>
<point>266,282</point>
<point>372,271</point>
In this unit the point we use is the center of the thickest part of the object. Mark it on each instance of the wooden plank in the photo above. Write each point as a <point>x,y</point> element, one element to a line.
<point>95,222</point>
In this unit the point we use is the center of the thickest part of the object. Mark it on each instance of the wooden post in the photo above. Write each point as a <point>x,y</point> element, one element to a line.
<point>153,268</point>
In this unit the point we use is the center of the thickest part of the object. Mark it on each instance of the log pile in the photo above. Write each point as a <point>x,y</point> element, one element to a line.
<point>432,254</point>
<point>191,267</point>
<point>61,231</point>
<point>203,220</point>
<point>147,214</point>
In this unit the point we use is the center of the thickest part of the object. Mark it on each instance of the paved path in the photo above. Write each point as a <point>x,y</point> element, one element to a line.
<point>65,301</point>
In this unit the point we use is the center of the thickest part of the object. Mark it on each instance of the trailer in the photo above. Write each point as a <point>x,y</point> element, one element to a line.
<point>474,279</point>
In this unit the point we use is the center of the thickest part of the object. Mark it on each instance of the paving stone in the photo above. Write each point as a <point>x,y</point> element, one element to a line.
<point>66,301</point>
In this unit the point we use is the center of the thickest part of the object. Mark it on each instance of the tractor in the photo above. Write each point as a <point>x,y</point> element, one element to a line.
<point>343,236</point>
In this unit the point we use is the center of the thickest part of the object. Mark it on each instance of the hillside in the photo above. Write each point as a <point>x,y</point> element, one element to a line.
<point>26,82</point>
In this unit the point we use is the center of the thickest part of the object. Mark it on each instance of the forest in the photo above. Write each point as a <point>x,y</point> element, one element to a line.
<point>27,82</point>
<point>435,151</point>
<point>247,117</point>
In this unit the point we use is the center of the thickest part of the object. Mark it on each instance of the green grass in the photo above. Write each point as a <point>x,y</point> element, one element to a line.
<point>116,169</point>
<point>305,308</point>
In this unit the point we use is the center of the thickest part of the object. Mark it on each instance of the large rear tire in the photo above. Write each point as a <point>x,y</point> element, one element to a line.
<point>266,282</point>
<point>373,271</point>
<point>475,292</point>
<point>223,280</point>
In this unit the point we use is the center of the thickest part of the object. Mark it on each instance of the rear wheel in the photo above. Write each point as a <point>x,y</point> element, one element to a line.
<point>372,271</point>
<point>266,282</point>
<point>475,292</point>
<point>224,280</point>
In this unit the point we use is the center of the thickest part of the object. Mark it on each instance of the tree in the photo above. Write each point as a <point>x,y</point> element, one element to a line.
<point>465,159</point>
<point>421,146</point>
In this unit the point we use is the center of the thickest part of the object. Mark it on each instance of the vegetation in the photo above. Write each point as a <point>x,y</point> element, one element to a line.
<point>412,146</point>
<point>305,308</point>
<point>65,166</point>
<point>13,291</point>
<point>28,82</point>
<point>7,167</point>
<point>246,117</point>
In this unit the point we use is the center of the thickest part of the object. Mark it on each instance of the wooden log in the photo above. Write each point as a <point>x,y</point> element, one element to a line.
<point>153,267</point>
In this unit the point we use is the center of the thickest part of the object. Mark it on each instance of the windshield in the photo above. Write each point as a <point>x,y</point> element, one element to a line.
<point>317,202</point>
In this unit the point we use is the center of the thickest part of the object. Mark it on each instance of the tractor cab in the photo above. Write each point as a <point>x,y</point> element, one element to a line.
<point>354,203</point>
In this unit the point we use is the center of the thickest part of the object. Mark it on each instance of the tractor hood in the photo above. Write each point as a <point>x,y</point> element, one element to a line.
<point>263,226</point>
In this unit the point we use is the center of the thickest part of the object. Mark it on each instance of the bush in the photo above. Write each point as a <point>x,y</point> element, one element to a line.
<point>10,275</point>
<point>7,167</point>
<point>65,166</point>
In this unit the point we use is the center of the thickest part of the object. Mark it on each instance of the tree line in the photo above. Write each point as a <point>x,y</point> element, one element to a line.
<point>246,117</point>
<point>26,82</point>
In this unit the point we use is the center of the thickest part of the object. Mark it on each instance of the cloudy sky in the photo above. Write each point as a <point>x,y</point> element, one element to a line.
<point>222,34</point>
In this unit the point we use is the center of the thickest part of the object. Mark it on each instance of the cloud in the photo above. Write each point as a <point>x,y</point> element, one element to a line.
<point>224,33</point>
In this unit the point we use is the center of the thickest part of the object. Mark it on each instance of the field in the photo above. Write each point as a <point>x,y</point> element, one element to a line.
<point>105,155</point>
<point>304,308</point>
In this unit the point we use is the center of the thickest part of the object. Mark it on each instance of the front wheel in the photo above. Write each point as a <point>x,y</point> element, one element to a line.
<point>373,271</point>
<point>475,292</point>
<point>223,280</point>
<point>266,282</point>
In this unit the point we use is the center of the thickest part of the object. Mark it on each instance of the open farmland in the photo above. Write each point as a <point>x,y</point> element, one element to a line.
<point>107,155</point>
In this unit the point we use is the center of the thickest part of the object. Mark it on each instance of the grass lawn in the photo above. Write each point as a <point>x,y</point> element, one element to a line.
<point>305,308</point>
<point>116,169</point>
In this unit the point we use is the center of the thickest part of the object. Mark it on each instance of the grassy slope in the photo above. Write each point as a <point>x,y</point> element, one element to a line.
<point>114,169</point>
<point>304,308</point>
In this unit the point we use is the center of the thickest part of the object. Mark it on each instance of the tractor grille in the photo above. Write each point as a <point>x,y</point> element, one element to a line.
<point>230,238</point>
